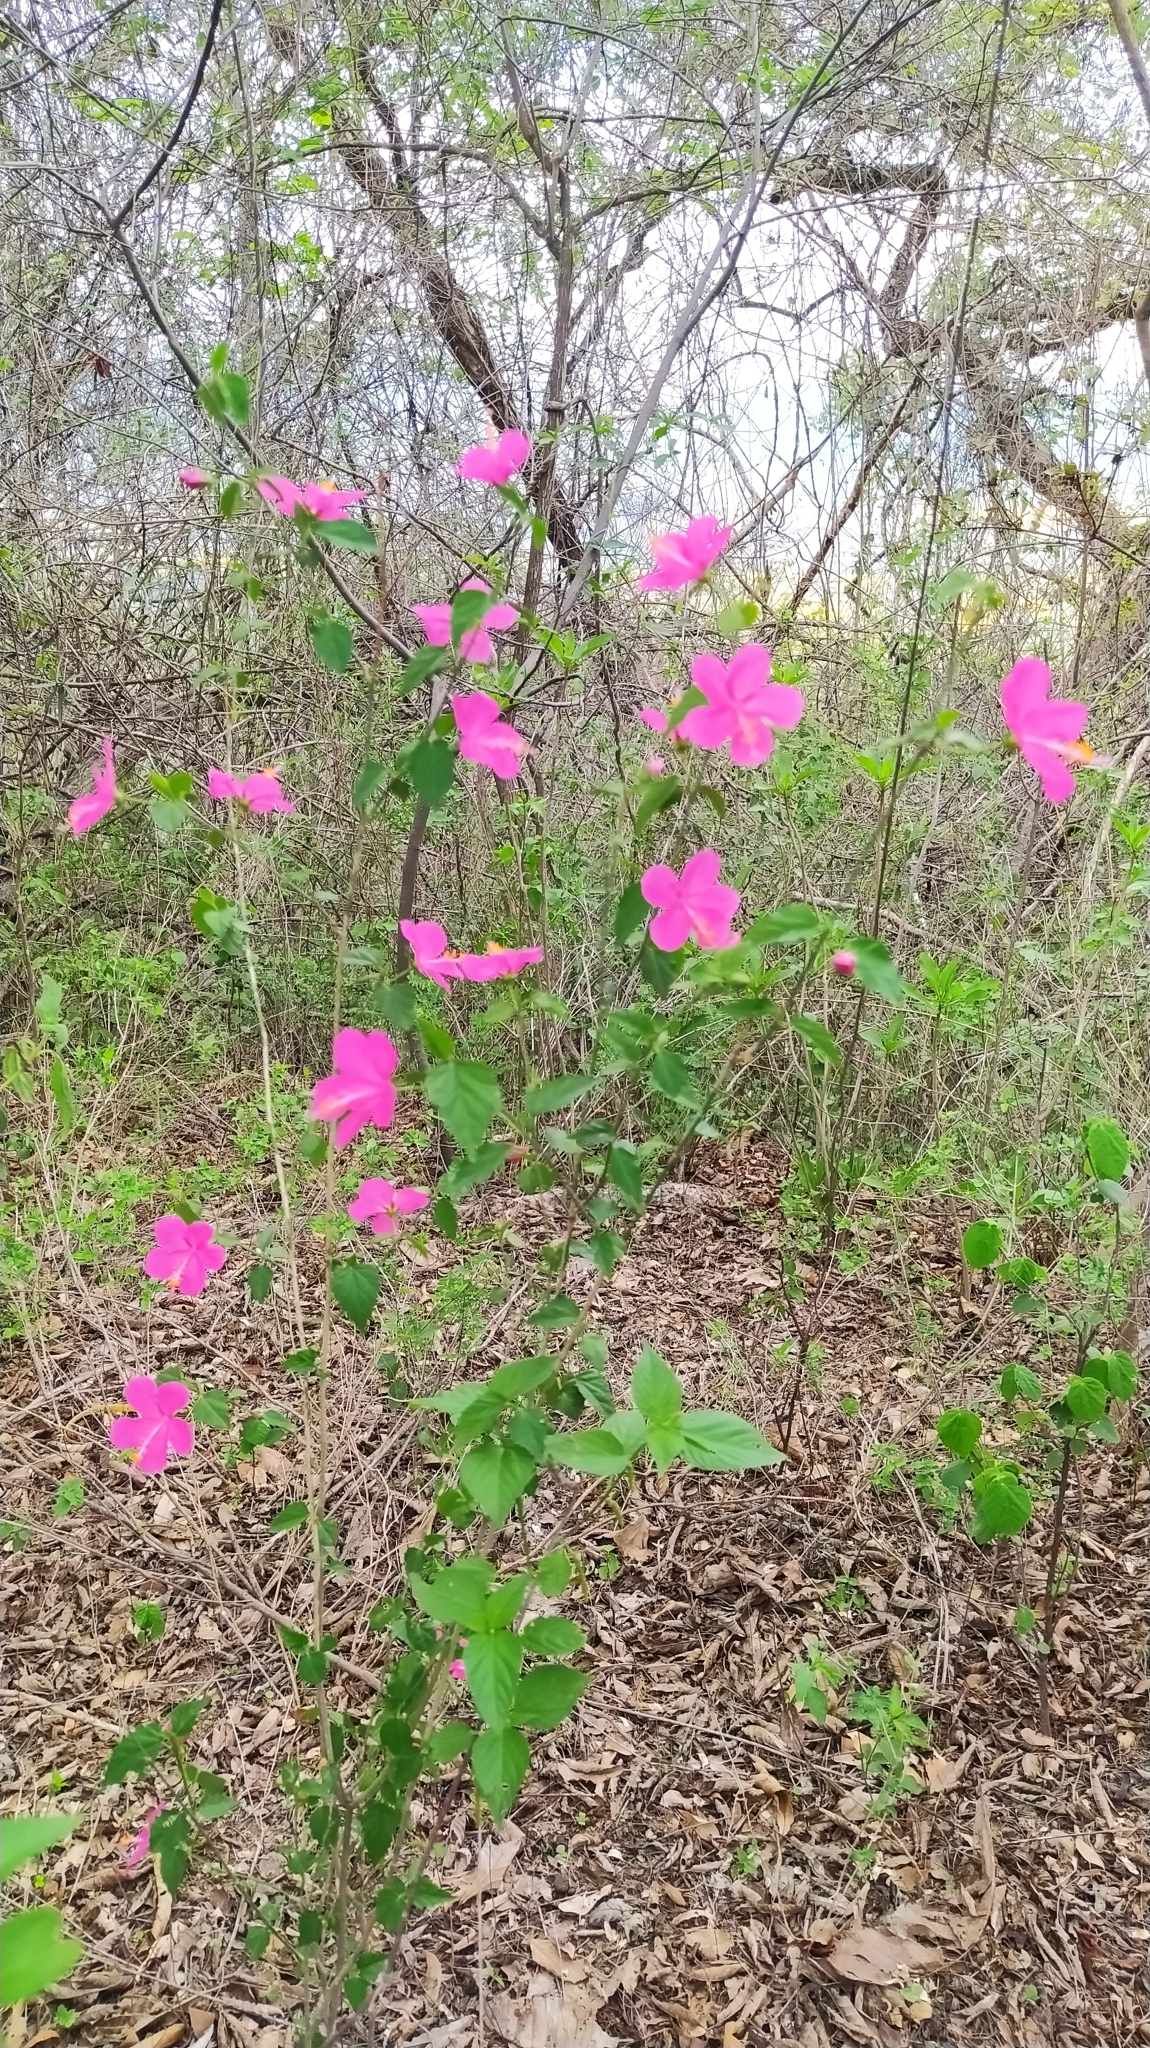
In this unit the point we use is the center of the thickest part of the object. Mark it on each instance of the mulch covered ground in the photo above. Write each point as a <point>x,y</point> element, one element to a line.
<point>684,1865</point>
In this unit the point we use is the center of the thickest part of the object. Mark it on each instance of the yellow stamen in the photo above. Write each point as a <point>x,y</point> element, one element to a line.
<point>1078,751</point>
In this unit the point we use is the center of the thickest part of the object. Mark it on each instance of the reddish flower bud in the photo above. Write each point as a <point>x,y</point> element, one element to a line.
<point>844,963</point>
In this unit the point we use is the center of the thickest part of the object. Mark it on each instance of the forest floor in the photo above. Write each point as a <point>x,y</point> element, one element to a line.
<point>683,1866</point>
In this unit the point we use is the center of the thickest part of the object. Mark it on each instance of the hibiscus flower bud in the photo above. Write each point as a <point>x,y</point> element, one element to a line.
<point>844,963</point>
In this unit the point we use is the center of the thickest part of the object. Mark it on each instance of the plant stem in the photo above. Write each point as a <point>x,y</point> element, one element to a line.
<point>1049,1598</point>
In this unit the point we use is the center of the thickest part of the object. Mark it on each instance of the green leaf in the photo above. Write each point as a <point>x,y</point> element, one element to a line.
<point>445,1218</point>
<point>656,1390</point>
<point>553,1573</point>
<point>62,1094</point>
<point>1122,1375</point>
<point>631,914</point>
<point>260,1281</point>
<point>499,1764</point>
<point>348,533</point>
<point>1018,1383</point>
<point>148,1619</point>
<point>302,1362</point>
<point>458,1595</point>
<point>135,1752</point>
<point>1106,1149</point>
<point>69,1496</point>
<point>1002,1509</point>
<point>660,970</point>
<point>981,1245</point>
<point>552,1635</point>
<point>368,782</point>
<point>468,609</point>
<point>548,1096</point>
<point>355,1284</point>
<point>1085,1398</point>
<point>876,970</point>
<point>738,617</point>
<point>397,1002</point>
<point>256,1940</point>
<point>431,765</point>
<point>450,1740</point>
<point>664,791</point>
<point>557,1314</point>
<point>426,661</point>
<point>292,1517</point>
<point>670,1075</point>
<point>169,1840</point>
<point>24,1836</point>
<point>502,1606</point>
<point>493,1664</point>
<point>495,1475</point>
<point>438,1042</point>
<point>959,1429</point>
<point>211,1409</point>
<point>521,1376</point>
<point>546,1695</point>
<point>331,638</point>
<point>465,1174</point>
<point>793,924</point>
<point>425,1895</point>
<point>235,394</point>
<point>183,1718</point>
<point>466,1095</point>
<point>714,1441</point>
<point>818,1038</point>
<point>35,1952</point>
<point>624,1170</point>
<point>594,1451</point>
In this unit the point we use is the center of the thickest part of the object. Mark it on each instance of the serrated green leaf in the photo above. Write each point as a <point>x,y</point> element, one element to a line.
<point>430,763</point>
<point>493,1664</point>
<point>714,1441</point>
<point>466,1095</point>
<point>292,1517</point>
<point>877,972</point>
<point>552,1635</point>
<point>135,1752</point>
<point>545,1696</point>
<point>631,914</point>
<point>792,924</point>
<point>1003,1508</point>
<point>557,1314</point>
<point>24,1836</point>
<point>355,1284</point>
<point>211,1409</point>
<point>495,1475</point>
<point>959,1429</point>
<point>981,1245</point>
<point>656,1391</point>
<point>815,1032</point>
<point>348,533</point>
<point>260,1280</point>
<point>35,1952</point>
<point>332,642</point>
<point>548,1096</point>
<point>671,1076</point>
<point>1106,1149</point>
<point>499,1763</point>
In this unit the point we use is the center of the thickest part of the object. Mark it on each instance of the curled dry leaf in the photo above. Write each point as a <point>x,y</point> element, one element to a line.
<point>634,1539</point>
<point>711,1943</point>
<point>871,1955</point>
<point>491,1866</point>
<point>549,1956</point>
<point>943,1773</point>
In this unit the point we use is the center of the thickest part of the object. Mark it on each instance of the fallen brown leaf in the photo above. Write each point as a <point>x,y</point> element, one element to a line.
<point>634,1539</point>
<point>491,1866</point>
<point>548,2013</point>
<point>712,1943</point>
<point>549,1956</point>
<point>870,1955</point>
<point>943,1773</point>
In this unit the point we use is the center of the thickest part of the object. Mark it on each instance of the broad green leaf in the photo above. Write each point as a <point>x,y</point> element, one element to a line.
<point>502,1606</point>
<point>660,970</point>
<point>493,1664</point>
<point>135,1752</point>
<point>183,1718</point>
<point>1085,1397</point>
<point>959,1429</point>
<point>714,1441</point>
<point>557,1314</point>
<point>439,1043</point>
<point>1003,1508</point>
<point>981,1245</point>
<point>26,1835</point>
<point>1106,1149</point>
<point>499,1763</point>
<point>664,791</point>
<point>548,1096</point>
<point>521,1376</point>
<point>211,1409</point>
<point>468,609</point>
<point>332,641</point>
<point>553,1573</point>
<point>260,1280</point>
<point>397,1002</point>
<point>793,924</point>
<point>458,1595</point>
<point>426,661</point>
<point>348,533</point>
<point>431,765</point>
<point>552,1635</point>
<point>35,1952</point>
<point>464,1174</point>
<point>656,1390</point>
<point>665,1442</point>
<point>466,1095</point>
<point>624,1170</point>
<point>425,1895</point>
<point>495,1475</point>
<point>170,1840</point>
<point>148,1617</point>
<point>671,1076</point>
<point>737,617</point>
<point>1018,1383</point>
<point>1122,1374</point>
<point>594,1451</point>
<point>818,1038</point>
<point>631,914</point>
<point>62,1094</point>
<point>355,1284</point>
<point>292,1517</point>
<point>545,1696</point>
<point>875,969</point>
<point>368,782</point>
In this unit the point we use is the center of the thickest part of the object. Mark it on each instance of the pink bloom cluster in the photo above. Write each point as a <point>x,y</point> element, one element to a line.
<point>1046,730</point>
<point>485,738</point>
<point>86,811</point>
<point>496,460</point>
<point>476,645</point>
<point>156,1428</point>
<point>384,1206</point>
<point>360,1090</point>
<point>261,792</point>
<point>691,905</point>
<point>683,558</point>
<point>322,500</point>
<point>743,707</point>
<point>428,942</point>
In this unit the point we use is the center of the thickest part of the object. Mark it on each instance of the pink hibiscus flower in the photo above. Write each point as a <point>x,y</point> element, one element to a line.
<point>360,1091</point>
<point>476,645</point>
<point>693,904</point>
<point>384,1206</point>
<point>682,558</point>
<point>457,1670</point>
<point>261,792</point>
<point>428,942</point>
<point>743,706</point>
<point>155,1429</point>
<point>483,736</point>
<point>495,461</point>
<point>844,963</point>
<point>322,500</point>
<point>1046,730</point>
<point>86,811</point>
<point>141,1844</point>
<point>194,479</point>
<point>183,1254</point>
